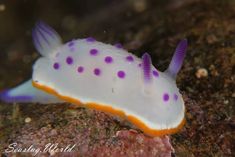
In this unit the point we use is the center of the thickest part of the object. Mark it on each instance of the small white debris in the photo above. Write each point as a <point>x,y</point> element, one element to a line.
<point>52,153</point>
<point>233,95</point>
<point>202,72</point>
<point>226,102</point>
<point>2,7</point>
<point>27,120</point>
<point>140,139</point>
<point>140,5</point>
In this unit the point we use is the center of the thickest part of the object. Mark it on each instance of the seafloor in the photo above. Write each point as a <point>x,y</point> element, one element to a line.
<point>207,78</point>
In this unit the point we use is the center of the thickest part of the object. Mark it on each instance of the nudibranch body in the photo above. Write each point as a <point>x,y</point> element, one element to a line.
<point>105,77</point>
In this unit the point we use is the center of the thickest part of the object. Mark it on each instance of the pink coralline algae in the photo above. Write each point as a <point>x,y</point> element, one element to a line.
<point>94,133</point>
<point>126,143</point>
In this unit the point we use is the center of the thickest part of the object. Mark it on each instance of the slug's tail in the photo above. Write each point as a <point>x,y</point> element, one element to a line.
<point>26,93</point>
<point>178,58</point>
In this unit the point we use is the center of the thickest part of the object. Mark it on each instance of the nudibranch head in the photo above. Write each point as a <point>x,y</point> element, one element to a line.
<point>108,78</point>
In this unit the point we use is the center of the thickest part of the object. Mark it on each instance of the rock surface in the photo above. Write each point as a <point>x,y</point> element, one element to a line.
<point>91,132</point>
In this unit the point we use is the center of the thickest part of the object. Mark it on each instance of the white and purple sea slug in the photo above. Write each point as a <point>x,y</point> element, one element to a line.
<point>104,77</point>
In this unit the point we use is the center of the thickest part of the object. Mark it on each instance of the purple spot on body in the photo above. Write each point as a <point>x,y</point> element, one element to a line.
<point>71,43</point>
<point>80,69</point>
<point>71,46</point>
<point>139,65</point>
<point>90,39</point>
<point>97,71</point>
<point>69,60</point>
<point>129,58</point>
<point>165,97</point>
<point>118,45</point>
<point>155,73</point>
<point>121,74</point>
<point>175,97</point>
<point>108,59</point>
<point>93,52</point>
<point>56,66</point>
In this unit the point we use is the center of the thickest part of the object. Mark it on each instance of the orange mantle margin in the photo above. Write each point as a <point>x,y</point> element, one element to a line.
<point>113,111</point>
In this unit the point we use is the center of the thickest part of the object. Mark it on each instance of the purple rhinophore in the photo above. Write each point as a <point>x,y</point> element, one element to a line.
<point>129,58</point>
<point>93,52</point>
<point>155,73</point>
<point>121,74</point>
<point>108,59</point>
<point>147,63</point>
<point>90,39</point>
<point>165,96</point>
<point>69,60</point>
<point>178,57</point>
<point>175,97</point>
<point>80,69</point>
<point>56,66</point>
<point>118,45</point>
<point>97,71</point>
<point>71,46</point>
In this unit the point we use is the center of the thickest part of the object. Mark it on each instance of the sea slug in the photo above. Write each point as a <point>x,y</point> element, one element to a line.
<point>104,77</point>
